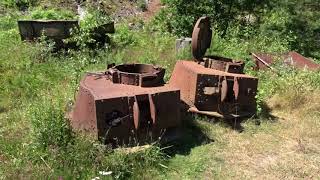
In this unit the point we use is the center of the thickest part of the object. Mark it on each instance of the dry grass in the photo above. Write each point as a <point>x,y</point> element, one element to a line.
<point>288,148</point>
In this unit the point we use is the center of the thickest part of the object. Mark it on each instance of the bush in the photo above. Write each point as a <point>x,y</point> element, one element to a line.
<point>20,4</point>
<point>52,14</point>
<point>86,36</point>
<point>124,36</point>
<point>50,128</point>
<point>181,15</point>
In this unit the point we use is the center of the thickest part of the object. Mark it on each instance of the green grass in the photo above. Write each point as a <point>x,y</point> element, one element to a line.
<point>36,141</point>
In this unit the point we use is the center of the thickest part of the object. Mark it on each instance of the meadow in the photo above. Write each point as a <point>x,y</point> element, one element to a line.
<point>38,87</point>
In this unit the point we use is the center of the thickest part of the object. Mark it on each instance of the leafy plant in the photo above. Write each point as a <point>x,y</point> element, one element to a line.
<point>89,34</point>
<point>52,14</point>
<point>182,14</point>
<point>124,36</point>
<point>50,127</point>
<point>20,4</point>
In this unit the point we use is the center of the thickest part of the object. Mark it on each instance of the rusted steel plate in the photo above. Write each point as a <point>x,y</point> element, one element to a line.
<point>201,38</point>
<point>104,28</point>
<point>58,30</point>
<point>119,113</point>
<point>32,29</point>
<point>294,59</point>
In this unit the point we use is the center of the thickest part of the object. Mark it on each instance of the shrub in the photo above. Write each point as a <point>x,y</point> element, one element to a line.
<point>52,14</point>
<point>20,4</point>
<point>182,14</point>
<point>50,128</point>
<point>124,36</point>
<point>86,36</point>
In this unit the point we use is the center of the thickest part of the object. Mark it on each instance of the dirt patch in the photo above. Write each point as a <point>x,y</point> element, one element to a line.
<point>154,6</point>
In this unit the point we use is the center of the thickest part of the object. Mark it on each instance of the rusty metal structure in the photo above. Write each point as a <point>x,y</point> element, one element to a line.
<point>292,59</point>
<point>59,30</point>
<point>126,103</point>
<point>212,85</point>
<point>56,30</point>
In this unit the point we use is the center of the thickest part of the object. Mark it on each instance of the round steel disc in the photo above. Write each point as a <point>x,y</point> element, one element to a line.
<point>201,38</point>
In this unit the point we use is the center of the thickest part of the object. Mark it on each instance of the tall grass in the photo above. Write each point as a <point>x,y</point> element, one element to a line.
<point>36,86</point>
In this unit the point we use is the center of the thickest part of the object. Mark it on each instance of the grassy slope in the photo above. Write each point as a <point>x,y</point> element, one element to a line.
<point>284,146</point>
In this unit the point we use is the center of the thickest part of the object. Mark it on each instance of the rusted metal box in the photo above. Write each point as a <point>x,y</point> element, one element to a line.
<point>212,85</point>
<point>127,103</point>
<point>58,30</point>
<point>55,29</point>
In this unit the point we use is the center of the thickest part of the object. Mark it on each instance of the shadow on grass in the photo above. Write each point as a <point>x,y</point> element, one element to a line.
<point>191,135</point>
<point>236,123</point>
<point>265,115</point>
<point>3,109</point>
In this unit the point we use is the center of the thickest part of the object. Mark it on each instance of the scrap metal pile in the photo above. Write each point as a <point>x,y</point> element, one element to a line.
<point>131,102</point>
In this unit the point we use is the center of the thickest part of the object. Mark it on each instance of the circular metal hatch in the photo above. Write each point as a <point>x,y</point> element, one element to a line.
<point>144,75</point>
<point>201,38</point>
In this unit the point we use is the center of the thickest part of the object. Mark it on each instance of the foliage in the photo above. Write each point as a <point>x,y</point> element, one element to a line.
<point>124,37</point>
<point>94,18</point>
<point>298,22</point>
<point>37,142</point>
<point>36,86</point>
<point>20,4</point>
<point>50,127</point>
<point>52,14</point>
<point>6,21</point>
<point>182,14</point>
<point>88,35</point>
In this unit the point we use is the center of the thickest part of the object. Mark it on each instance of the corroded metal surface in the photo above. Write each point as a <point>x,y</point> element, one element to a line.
<point>212,85</point>
<point>58,30</point>
<point>293,59</point>
<point>223,64</point>
<point>32,29</point>
<point>208,90</point>
<point>201,38</point>
<point>119,113</point>
<point>137,74</point>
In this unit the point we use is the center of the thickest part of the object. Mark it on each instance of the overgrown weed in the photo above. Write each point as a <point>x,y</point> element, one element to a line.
<point>34,81</point>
